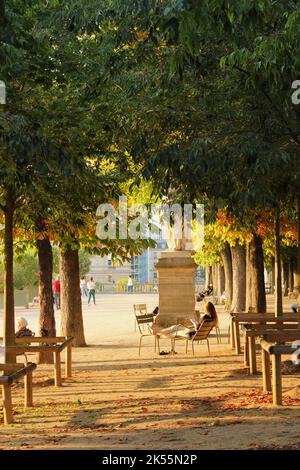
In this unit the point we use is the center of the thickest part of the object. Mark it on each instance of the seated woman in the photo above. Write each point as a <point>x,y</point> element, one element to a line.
<point>210,315</point>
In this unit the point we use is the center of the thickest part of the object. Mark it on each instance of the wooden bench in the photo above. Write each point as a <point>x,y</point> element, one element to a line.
<point>12,373</point>
<point>238,319</point>
<point>44,344</point>
<point>256,331</point>
<point>272,349</point>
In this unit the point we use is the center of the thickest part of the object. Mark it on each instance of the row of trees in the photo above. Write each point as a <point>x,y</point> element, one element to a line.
<point>58,161</point>
<point>236,256</point>
<point>218,122</point>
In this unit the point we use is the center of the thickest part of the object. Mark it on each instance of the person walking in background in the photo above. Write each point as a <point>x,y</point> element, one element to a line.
<point>56,292</point>
<point>130,285</point>
<point>92,290</point>
<point>83,287</point>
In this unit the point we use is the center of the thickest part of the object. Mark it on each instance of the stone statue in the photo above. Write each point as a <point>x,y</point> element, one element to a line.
<point>178,244</point>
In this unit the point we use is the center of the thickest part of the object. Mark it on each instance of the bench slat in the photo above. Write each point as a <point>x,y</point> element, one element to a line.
<point>9,379</point>
<point>40,339</point>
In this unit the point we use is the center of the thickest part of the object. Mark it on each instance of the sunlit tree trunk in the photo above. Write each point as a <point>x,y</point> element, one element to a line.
<point>248,279</point>
<point>71,306</point>
<point>285,277</point>
<point>238,254</point>
<point>208,276</point>
<point>221,280</point>
<point>46,316</point>
<point>278,279</point>
<point>8,297</point>
<point>291,275</point>
<point>256,273</point>
<point>227,262</point>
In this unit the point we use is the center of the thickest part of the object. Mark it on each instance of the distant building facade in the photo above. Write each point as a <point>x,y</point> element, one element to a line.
<point>141,267</point>
<point>106,273</point>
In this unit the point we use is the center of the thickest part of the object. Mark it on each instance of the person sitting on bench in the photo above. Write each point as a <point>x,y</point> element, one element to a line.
<point>22,328</point>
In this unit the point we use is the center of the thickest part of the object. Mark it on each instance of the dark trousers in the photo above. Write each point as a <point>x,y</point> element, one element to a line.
<point>92,294</point>
<point>57,300</point>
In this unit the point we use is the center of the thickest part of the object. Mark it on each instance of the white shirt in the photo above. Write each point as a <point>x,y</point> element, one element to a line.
<point>91,285</point>
<point>129,283</point>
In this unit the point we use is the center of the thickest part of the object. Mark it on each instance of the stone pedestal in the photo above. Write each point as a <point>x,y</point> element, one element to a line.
<point>176,281</point>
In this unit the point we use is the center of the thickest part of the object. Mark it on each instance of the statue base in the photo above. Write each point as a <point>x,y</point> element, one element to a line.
<point>176,281</point>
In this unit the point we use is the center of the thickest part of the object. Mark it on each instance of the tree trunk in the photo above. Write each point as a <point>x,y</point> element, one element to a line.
<point>71,307</point>
<point>278,280</point>
<point>221,280</point>
<point>208,276</point>
<point>46,317</point>
<point>238,254</point>
<point>273,276</point>
<point>257,275</point>
<point>285,277</point>
<point>248,279</point>
<point>291,275</point>
<point>227,262</point>
<point>215,273</point>
<point>8,297</point>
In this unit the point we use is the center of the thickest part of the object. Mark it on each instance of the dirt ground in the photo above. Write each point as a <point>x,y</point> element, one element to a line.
<point>117,400</point>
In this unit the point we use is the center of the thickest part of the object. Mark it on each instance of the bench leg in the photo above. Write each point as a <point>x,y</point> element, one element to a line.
<point>276,379</point>
<point>252,355</point>
<point>232,339</point>
<point>267,387</point>
<point>57,366</point>
<point>69,362</point>
<point>246,352</point>
<point>237,338</point>
<point>28,400</point>
<point>7,404</point>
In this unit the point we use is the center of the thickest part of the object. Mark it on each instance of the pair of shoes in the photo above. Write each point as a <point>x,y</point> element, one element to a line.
<point>164,353</point>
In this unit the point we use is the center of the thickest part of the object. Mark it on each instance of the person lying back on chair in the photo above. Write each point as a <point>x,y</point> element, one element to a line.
<point>210,315</point>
